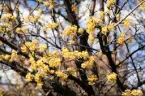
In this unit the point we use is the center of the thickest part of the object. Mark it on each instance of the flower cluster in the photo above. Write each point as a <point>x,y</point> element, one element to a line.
<point>107,28</point>
<point>142,7</point>
<point>121,39</point>
<point>89,63</point>
<point>49,3</point>
<point>75,54</point>
<point>72,71</point>
<point>91,24</point>
<point>52,25</point>
<point>8,17</point>
<point>70,31</point>
<point>92,79</point>
<point>30,46</point>
<point>132,93</point>
<point>127,22</point>
<point>110,3</point>
<point>61,75</point>
<point>23,29</point>
<point>112,77</point>
<point>11,57</point>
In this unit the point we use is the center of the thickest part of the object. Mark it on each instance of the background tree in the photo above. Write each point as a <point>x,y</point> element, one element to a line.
<point>74,47</point>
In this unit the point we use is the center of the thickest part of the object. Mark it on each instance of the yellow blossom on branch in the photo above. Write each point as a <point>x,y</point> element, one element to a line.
<point>112,77</point>
<point>29,77</point>
<point>92,79</point>
<point>121,39</point>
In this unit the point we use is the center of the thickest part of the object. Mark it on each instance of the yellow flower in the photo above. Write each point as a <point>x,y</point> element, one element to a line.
<point>126,93</point>
<point>72,71</point>
<point>24,29</point>
<point>42,47</point>
<point>126,22</point>
<point>7,57</point>
<point>92,79</point>
<point>142,7</point>
<point>91,24</point>
<point>18,30</point>
<point>110,27</point>
<point>80,30</point>
<point>61,75</point>
<point>13,55</point>
<point>24,48</point>
<point>102,15</point>
<point>70,31</point>
<point>52,25</point>
<point>136,93</point>
<point>110,3</point>
<point>44,28</point>
<point>39,84</point>
<point>91,38</point>
<point>29,77</point>
<point>54,62</point>
<point>112,77</point>
<point>104,30</point>
<point>46,3</point>
<point>89,63</point>
<point>71,42</point>
<point>6,25</point>
<point>121,39</point>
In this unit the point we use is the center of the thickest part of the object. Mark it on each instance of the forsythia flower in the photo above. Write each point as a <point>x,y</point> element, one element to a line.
<point>142,7</point>
<point>54,62</point>
<point>112,77</point>
<point>89,63</point>
<point>71,42</point>
<point>110,3</point>
<point>132,93</point>
<point>42,47</point>
<point>34,19</point>
<point>91,24</point>
<point>104,30</point>
<point>44,28</point>
<point>23,29</point>
<point>46,3</point>
<point>52,25</point>
<point>126,22</point>
<point>121,39</point>
<point>7,57</point>
<point>74,54</point>
<point>13,55</point>
<point>92,79</point>
<point>126,93</point>
<point>24,48</point>
<point>102,15</point>
<point>29,77</point>
<point>72,71</point>
<point>110,27</point>
<point>70,31</point>
<point>49,3</point>
<point>80,30</point>
<point>91,38</point>
<point>136,93</point>
<point>61,75</point>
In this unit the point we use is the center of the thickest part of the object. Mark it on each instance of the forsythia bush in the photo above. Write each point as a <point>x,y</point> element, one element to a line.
<point>57,54</point>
